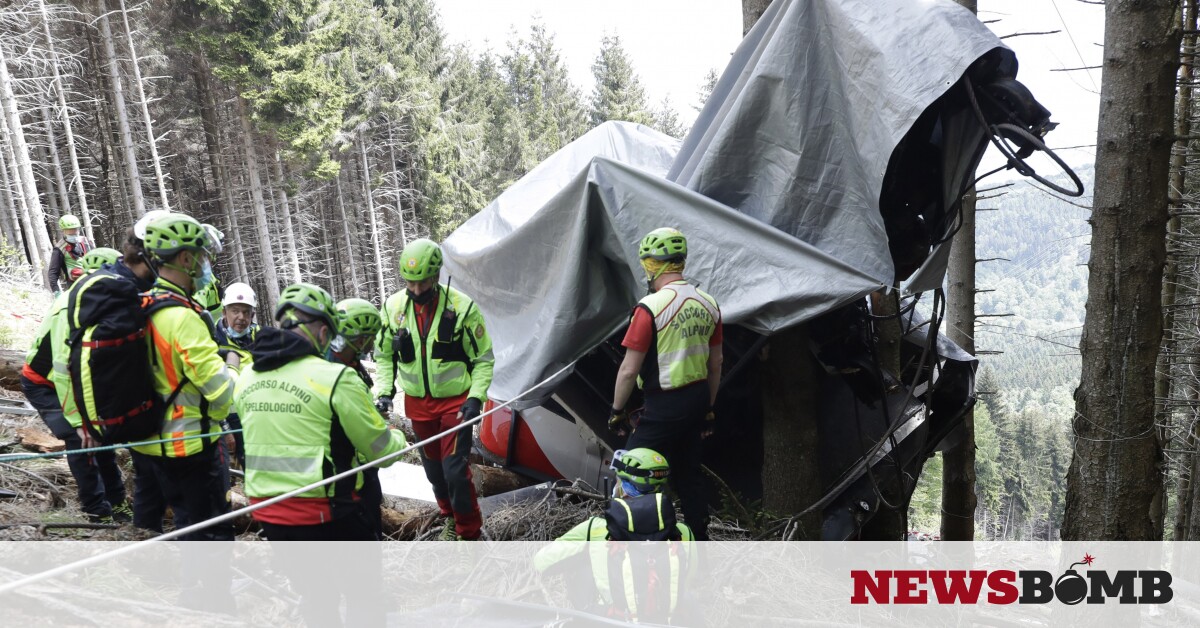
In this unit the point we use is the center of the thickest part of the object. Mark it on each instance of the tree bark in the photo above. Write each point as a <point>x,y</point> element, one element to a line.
<point>35,225</point>
<point>375,252</point>
<point>216,161</point>
<point>1115,477</point>
<point>958,463</point>
<point>122,114</point>
<point>12,216</point>
<point>55,163</point>
<point>289,233</point>
<point>266,259</point>
<point>85,214</point>
<point>790,473</point>
<point>350,259</point>
<point>141,95</point>
<point>751,11</point>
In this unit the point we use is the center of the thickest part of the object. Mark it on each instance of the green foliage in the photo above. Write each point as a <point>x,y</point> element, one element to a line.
<point>618,94</point>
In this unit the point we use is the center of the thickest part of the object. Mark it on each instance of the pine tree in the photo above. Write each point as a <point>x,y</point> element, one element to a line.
<point>618,93</point>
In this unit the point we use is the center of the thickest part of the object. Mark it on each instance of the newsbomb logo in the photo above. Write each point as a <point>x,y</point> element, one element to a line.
<point>1011,587</point>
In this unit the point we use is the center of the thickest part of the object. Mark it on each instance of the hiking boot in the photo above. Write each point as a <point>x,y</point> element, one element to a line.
<point>448,533</point>
<point>103,519</point>
<point>122,513</point>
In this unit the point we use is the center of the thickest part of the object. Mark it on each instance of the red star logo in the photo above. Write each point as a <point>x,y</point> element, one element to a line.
<point>1088,558</point>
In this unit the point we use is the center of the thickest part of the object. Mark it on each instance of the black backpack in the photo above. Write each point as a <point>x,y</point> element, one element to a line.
<point>631,522</point>
<point>112,378</point>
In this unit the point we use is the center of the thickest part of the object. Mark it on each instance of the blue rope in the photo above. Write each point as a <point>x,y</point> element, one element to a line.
<point>92,450</point>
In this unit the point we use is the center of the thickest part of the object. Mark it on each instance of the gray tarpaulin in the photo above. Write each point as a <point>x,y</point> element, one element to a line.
<point>784,166</point>
<point>800,127</point>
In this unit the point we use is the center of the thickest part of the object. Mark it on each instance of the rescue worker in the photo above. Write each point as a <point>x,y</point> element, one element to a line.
<point>434,340</point>
<point>673,352</point>
<point>65,259</point>
<point>188,475</point>
<point>236,332</point>
<point>358,325</point>
<point>47,386</point>
<point>209,296</point>
<point>640,510</point>
<point>307,419</point>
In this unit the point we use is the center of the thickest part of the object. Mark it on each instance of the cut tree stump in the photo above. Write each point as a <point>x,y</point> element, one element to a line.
<point>38,439</point>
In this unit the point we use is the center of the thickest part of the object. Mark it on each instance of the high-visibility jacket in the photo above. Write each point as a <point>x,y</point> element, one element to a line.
<point>46,361</point>
<point>306,419</point>
<point>453,357</point>
<point>682,563</point>
<point>685,319</point>
<point>64,259</point>
<point>182,349</point>
<point>240,346</point>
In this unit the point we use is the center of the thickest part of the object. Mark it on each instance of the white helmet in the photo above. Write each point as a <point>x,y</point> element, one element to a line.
<point>239,293</point>
<point>139,227</point>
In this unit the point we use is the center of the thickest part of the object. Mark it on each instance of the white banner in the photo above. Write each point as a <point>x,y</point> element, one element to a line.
<point>538,584</point>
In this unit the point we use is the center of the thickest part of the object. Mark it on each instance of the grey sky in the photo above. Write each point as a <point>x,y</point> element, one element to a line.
<point>673,43</point>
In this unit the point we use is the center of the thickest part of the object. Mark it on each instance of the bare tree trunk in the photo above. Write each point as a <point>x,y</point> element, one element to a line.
<point>216,161</point>
<point>85,214</point>
<point>141,95</point>
<point>958,463</point>
<point>351,260</point>
<point>56,163</point>
<point>1115,477</point>
<point>266,259</point>
<point>371,219</point>
<point>35,225</point>
<point>50,206</point>
<point>289,233</point>
<point>122,114</point>
<point>11,215</point>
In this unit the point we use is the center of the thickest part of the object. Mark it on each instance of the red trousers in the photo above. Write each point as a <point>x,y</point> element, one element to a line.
<point>449,471</point>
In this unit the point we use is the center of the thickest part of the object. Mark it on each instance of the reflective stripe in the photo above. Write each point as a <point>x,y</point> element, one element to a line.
<point>183,425</point>
<point>381,441</point>
<point>281,464</point>
<point>453,372</point>
<point>61,369</point>
<point>489,356</point>
<point>681,354</point>
<point>408,380</point>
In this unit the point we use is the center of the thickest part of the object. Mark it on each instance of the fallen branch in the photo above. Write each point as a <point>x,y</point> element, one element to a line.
<point>578,492</point>
<point>57,501</point>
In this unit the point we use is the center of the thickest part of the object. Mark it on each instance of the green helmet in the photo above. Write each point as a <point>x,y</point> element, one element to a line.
<point>644,468</point>
<point>68,222</point>
<point>357,317</point>
<point>171,233</point>
<point>99,257</point>
<point>420,260</point>
<point>664,244</point>
<point>310,299</point>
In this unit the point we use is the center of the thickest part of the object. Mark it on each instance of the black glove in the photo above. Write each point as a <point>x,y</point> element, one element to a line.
<point>619,421</point>
<point>470,409</point>
<point>384,405</point>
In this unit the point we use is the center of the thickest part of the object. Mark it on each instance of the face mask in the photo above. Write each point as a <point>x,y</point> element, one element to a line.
<point>337,344</point>
<point>233,333</point>
<point>73,239</point>
<point>206,277</point>
<point>423,298</point>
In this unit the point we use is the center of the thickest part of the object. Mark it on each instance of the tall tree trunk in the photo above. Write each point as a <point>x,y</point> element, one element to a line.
<point>122,113</point>
<point>375,252</point>
<point>50,206</point>
<point>290,242</point>
<point>56,163</point>
<point>958,463</point>
<point>145,106</point>
<point>1115,477</point>
<point>35,225</point>
<point>60,92</point>
<point>266,259</point>
<point>1163,377</point>
<point>350,260</point>
<point>12,220</point>
<point>212,142</point>
<point>788,387</point>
